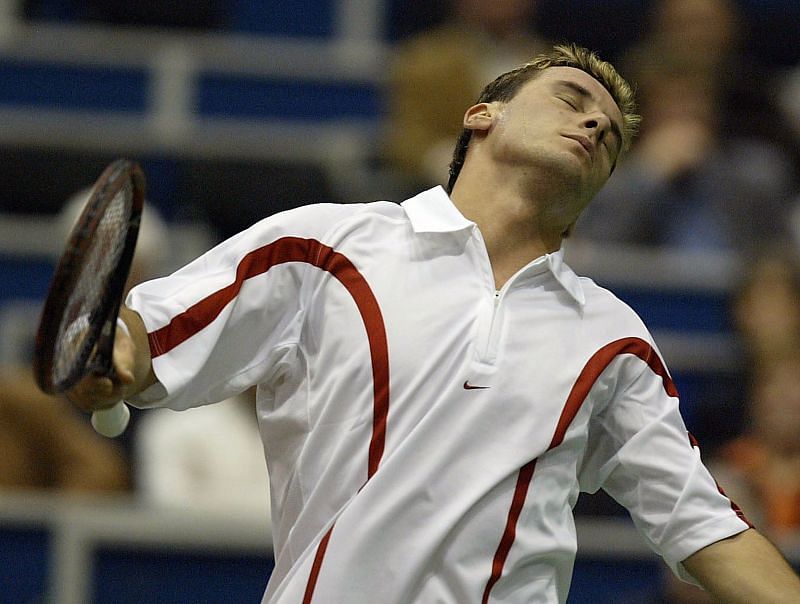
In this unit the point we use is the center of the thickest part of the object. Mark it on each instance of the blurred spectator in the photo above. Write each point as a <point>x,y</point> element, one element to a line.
<point>438,73</point>
<point>45,444</point>
<point>710,38</point>
<point>789,101</point>
<point>690,181</point>
<point>208,458</point>
<point>789,104</point>
<point>761,468</point>
<point>766,308</point>
<point>702,33</point>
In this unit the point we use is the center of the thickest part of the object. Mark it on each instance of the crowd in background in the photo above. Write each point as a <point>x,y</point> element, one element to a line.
<point>715,168</point>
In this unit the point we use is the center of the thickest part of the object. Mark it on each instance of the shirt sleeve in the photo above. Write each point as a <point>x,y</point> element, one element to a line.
<point>641,453</point>
<point>231,318</point>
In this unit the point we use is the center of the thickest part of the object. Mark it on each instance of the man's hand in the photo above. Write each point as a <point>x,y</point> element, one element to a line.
<point>132,364</point>
<point>743,569</point>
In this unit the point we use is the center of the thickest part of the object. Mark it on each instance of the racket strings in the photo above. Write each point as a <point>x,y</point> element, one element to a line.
<point>100,259</point>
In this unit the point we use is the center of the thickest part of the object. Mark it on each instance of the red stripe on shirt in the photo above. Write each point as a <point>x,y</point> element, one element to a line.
<point>734,506</point>
<point>510,532</point>
<point>595,366</point>
<point>259,261</point>
<point>316,566</point>
<point>580,391</point>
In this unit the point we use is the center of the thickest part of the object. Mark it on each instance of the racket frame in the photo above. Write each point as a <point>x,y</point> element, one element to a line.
<point>96,353</point>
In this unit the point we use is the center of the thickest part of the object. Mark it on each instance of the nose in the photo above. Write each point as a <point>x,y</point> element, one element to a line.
<point>598,124</point>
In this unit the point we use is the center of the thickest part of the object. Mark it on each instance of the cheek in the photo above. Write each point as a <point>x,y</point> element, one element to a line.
<point>522,122</point>
<point>501,124</point>
<point>515,133</point>
<point>512,124</point>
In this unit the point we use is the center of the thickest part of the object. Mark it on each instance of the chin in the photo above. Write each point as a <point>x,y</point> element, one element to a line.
<point>561,167</point>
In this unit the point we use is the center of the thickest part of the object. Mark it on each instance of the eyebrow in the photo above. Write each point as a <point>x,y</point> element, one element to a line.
<point>580,90</point>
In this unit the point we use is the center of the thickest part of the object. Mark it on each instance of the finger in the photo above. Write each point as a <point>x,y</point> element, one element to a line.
<point>94,392</point>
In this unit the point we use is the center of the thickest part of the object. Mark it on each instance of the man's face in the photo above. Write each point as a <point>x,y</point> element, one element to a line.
<point>567,125</point>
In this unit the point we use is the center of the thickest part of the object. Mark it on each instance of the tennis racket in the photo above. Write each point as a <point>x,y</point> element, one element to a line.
<point>79,319</point>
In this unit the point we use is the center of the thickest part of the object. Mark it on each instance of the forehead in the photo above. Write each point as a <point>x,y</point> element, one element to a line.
<point>554,77</point>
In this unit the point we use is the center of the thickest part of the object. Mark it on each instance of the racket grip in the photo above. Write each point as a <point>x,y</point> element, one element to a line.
<point>111,422</point>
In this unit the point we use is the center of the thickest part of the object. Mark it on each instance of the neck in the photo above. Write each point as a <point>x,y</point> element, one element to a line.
<point>513,220</point>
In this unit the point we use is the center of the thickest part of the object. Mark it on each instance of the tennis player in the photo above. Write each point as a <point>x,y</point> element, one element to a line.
<point>435,385</point>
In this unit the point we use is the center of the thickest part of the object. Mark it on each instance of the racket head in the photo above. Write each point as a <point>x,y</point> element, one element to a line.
<point>78,321</point>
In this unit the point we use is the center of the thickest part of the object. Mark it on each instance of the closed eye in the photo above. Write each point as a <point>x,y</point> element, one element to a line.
<point>569,102</point>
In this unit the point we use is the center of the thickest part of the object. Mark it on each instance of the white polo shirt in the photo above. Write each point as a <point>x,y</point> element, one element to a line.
<point>426,435</point>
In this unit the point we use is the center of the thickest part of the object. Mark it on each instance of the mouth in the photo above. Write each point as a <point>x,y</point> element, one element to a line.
<point>587,144</point>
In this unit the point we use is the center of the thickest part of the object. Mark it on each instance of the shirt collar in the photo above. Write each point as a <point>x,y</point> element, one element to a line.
<point>432,211</point>
<point>565,275</point>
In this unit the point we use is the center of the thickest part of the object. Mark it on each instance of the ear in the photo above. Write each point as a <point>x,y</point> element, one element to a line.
<point>480,116</point>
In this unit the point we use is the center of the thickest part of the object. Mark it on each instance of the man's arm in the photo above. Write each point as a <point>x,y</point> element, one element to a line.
<point>743,569</point>
<point>132,363</point>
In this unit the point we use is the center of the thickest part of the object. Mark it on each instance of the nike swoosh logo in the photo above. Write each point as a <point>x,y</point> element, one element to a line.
<point>468,386</point>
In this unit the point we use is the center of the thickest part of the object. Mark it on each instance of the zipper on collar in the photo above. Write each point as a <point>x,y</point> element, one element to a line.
<point>491,329</point>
